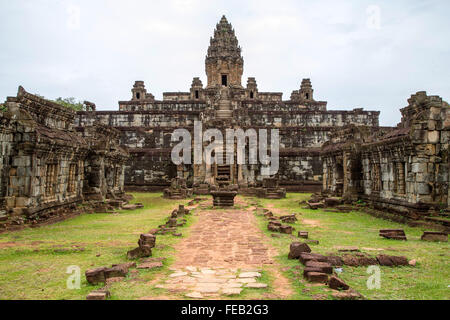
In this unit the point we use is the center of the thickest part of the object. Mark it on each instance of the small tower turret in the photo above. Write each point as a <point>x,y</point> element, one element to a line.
<point>197,89</point>
<point>306,90</point>
<point>252,89</point>
<point>140,93</point>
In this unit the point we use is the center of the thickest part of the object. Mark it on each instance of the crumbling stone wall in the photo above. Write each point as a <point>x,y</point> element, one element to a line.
<point>404,169</point>
<point>46,165</point>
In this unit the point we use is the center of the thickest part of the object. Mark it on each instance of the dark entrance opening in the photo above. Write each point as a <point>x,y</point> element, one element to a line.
<point>196,94</point>
<point>138,96</point>
<point>251,95</point>
<point>225,80</point>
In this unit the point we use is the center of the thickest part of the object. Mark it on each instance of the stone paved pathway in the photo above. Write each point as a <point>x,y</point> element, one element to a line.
<point>224,253</point>
<point>224,238</point>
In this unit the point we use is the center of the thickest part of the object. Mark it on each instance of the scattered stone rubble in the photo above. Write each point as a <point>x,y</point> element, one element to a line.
<point>319,268</point>
<point>176,219</point>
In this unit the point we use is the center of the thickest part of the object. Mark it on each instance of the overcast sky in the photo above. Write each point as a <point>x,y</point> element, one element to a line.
<point>370,54</point>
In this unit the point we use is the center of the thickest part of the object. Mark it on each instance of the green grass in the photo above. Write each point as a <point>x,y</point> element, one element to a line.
<point>428,280</point>
<point>34,264</point>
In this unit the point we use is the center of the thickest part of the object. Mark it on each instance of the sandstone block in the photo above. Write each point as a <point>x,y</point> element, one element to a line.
<point>141,252</point>
<point>337,284</point>
<point>317,277</point>
<point>435,236</point>
<point>95,276</point>
<point>323,267</point>
<point>297,248</point>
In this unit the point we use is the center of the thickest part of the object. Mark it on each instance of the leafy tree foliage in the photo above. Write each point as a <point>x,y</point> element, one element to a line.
<point>70,103</point>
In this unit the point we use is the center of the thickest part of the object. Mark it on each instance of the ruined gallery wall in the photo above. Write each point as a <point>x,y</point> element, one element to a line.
<point>6,145</point>
<point>307,119</point>
<point>173,106</point>
<point>412,169</point>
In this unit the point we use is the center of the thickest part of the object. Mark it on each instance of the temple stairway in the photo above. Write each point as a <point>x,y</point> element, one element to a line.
<point>225,110</point>
<point>272,193</point>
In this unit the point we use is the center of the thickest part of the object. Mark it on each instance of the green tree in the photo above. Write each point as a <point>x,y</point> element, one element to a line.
<point>3,107</point>
<point>70,103</point>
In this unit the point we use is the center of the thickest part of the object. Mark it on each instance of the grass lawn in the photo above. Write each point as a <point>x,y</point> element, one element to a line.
<point>430,279</point>
<point>33,262</point>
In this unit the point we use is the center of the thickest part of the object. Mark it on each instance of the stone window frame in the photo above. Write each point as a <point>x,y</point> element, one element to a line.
<point>72,178</point>
<point>51,179</point>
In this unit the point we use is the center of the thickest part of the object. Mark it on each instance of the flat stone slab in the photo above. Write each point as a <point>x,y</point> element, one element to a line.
<point>256,285</point>
<point>232,291</point>
<point>205,288</point>
<point>191,269</point>
<point>194,295</point>
<point>233,285</point>
<point>178,274</point>
<point>250,275</point>
<point>246,280</point>
<point>150,265</point>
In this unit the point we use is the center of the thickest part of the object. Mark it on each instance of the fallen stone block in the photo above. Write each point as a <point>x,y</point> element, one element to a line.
<point>337,284</point>
<point>95,276</point>
<point>317,277</point>
<point>99,295</point>
<point>305,257</point>
<point>335,261</point>
<point>434,236</point>
<point>315,206</point>
<point>313,242</point>
<point>150,265</point>
<point>323,267</point>
<point>147,240</point>
<point>289,219</point>
<point>297,248</point>
<point>393,234</point>
<point>127,265</point>
<point>286,229</point>
<point>303,234</point>
<point>347,295</point>
<point>116,272</point>
<point>274,226</point>
<point>392,261</point>
<point>140,252</point>
<point>358,260</point>
<point>172,223</point>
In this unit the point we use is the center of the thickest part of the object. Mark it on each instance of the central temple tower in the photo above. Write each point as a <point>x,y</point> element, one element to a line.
<point>224,62</point>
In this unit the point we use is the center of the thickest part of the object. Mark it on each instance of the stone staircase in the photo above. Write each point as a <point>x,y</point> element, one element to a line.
<point>225,109</point>
<point>272,194</point>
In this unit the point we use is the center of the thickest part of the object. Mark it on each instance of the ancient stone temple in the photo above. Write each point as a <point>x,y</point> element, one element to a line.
<point>404,169</point>
<point>47,166</point>
<point>147,124</point>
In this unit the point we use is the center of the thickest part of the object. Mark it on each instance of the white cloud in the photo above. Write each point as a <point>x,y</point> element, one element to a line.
<point>98,54</point>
